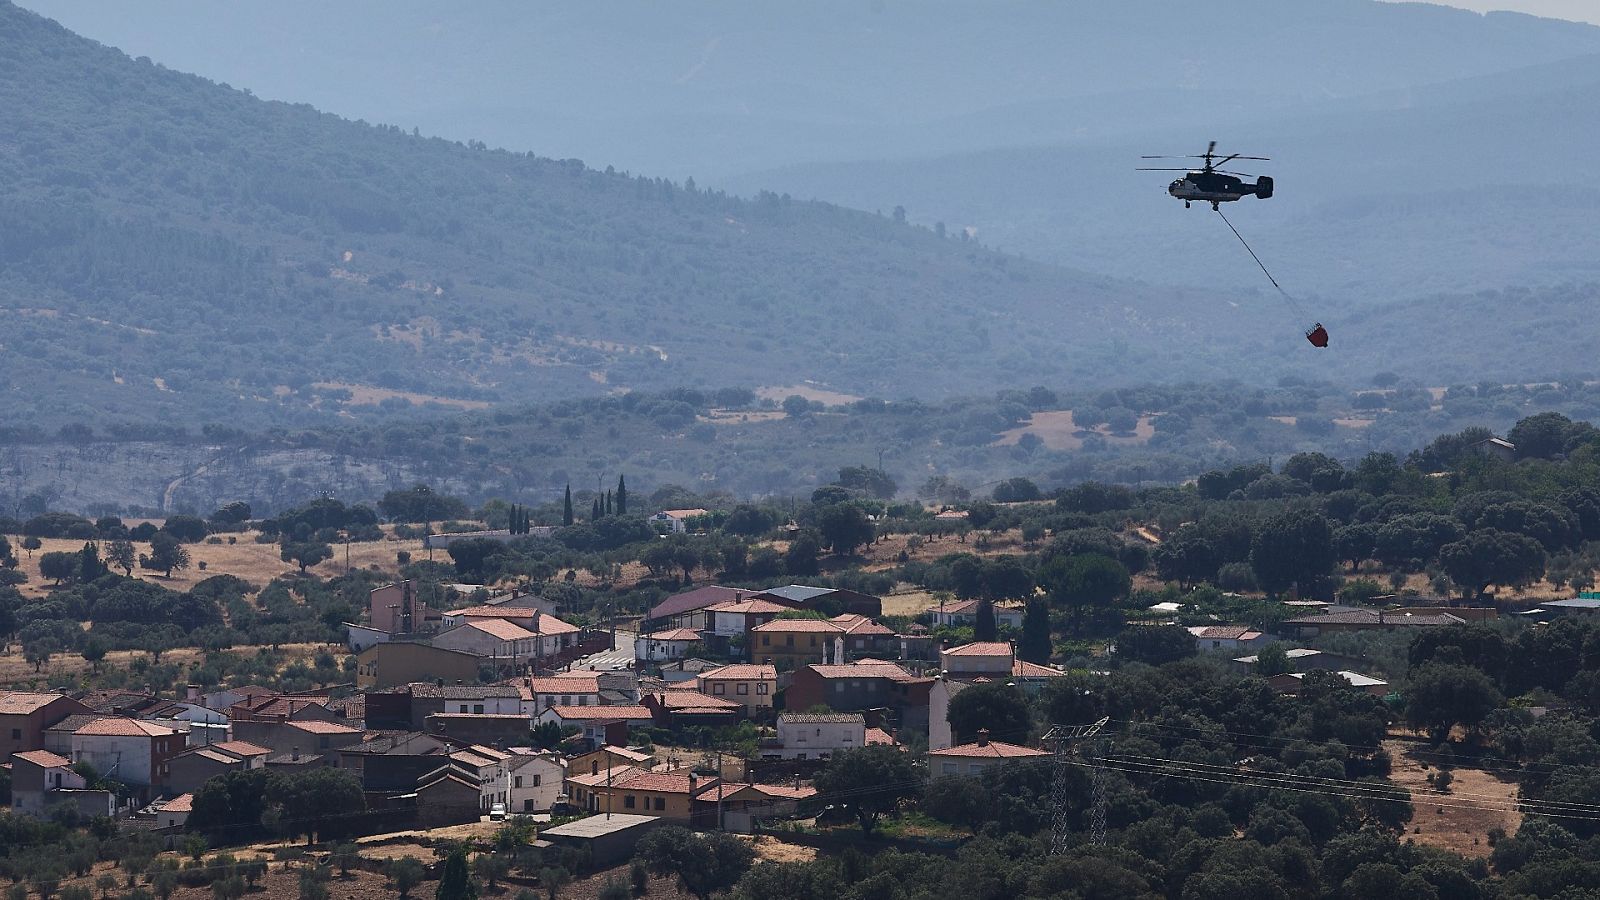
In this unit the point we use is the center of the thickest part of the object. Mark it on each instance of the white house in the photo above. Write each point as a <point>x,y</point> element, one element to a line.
<point>37,773</point>
<point>662,646</point>
<point>736,618</point>
<point>592,720</point>
<point>675,521</point>
<point>1227,637</point>
<point>532,783</point>
<point>491,638</point>
<point>807,736</point>
<point>972,759</point>
<point>992,658</point>
<point>132,751</point>
<point>957,613</point>
<point>573,689</point>
<point>174,813</point>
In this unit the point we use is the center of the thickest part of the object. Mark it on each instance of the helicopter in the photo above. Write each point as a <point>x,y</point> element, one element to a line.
<point>1211,184</point>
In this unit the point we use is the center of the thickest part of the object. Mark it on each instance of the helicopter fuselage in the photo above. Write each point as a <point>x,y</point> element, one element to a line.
<point>1215,188</point>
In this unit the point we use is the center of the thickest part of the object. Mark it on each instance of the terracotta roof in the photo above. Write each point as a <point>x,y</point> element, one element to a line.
<point>403,743</point>
<point>853,623</point>
<point>990,750</point>
<point>117,727</point>
<point>503,629</point>
<point>743,672</point>
<point>686,700</point>
<point>73,722</point>
<point>21,703</point>
<point>495,612</point>
<point>581,684</point>
<point>980,648</point>
<point>801,626</point>
<point>316,727</point>
<point>1225,632</point>
<point>44,759</point>
<point>614,774</point>
<point>600,713</point>
<point>699,598</point>
<point>464,691</point>
<point>821,718</point>
<point>216,756</point>
<point>879,736</point>
<point>754,606</point>
<point>181,803</point>
<point>1023,669</point>
<point>864,670</point>
<point>662,782</point>
<point>675,634</point>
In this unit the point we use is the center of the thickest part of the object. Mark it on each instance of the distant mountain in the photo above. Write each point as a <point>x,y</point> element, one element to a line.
<point>711,88</point>
<point>176,251</point>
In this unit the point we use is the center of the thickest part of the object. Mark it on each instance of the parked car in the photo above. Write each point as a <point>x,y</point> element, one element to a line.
<point>497,812</point>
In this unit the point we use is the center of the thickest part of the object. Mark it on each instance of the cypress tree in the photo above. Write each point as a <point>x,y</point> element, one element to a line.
<point>984,627</point>
<point>608,503</point>
<point>455,882</point>
<point>594,516</point>
<point>566,511</point>
<point>622,496</point>
<point>1035,646</point>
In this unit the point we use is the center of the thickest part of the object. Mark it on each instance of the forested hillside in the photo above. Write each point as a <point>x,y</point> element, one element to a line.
<point>174,248</point>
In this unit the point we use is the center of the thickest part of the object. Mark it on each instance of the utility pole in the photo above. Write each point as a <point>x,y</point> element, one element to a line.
<point>1065,738</point>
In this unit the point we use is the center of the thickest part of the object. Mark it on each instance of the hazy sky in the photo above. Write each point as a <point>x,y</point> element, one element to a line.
<point>1576,10</point>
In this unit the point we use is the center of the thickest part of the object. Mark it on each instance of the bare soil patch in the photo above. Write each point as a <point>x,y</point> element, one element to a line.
<point>1459,822</point>
<point>371,395</point>
<point>1059,432</point>
<point>742,416</point>
<point>813,392</point>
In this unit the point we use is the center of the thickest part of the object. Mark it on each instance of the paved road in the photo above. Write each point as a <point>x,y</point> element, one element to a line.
<point>610,659</point>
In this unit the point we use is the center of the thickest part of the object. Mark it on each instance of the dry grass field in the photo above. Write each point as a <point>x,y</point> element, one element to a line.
<point>1460,821</point>
<point>813,392</point>
<point>1059,432</point>
<point>255,563</point>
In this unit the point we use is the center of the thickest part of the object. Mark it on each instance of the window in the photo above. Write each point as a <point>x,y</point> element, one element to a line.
<point>518,782</point>
<point>761,688</point>
<point>527,805</point>
<point>535,780</point>
<point>477,707</point>
<point>744,688</point>
<point>975,768</point>
<point>719,689</point>
<point>766,641</point>
<point>16,734</point>
<point>950,768</point>
<point>322,742</point>
<point>627,802</point>
<point>582,700</point>
<point>463,708</point>
<point>791,640</point>
<point>661,804</point>
<point>838,687</point>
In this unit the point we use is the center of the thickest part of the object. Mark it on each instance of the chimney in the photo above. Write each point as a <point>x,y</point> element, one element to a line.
<point>983,737</point>
<point>294,754</point>
<point>693,783</point>
<point>838,651</point>
<point>191,693</point>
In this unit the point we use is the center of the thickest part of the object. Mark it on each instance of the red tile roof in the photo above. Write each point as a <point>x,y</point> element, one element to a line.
<point>864,670</point>
<point>316,727</point>
<point>981,648</point>
<point>44,759</point>
<point>118,727</point>
<point>743,672</point>
<point>503,629</point>
<point>578,684</point>
<point>801,626</point>
<point>600,713</point>
<point>21,703</point>
<point>699,598</point>
<point>879,736</point>
<point>675,634</point>
<point>860,625</point>
<point>1024,669</point>
<point>755,606</point>
<point>991,750</point>
<point>686,700</point>
<point>242,748</point>
<point>181,803</point>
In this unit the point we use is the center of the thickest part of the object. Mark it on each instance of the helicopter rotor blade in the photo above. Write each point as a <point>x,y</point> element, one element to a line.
<point>1162,170</point>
